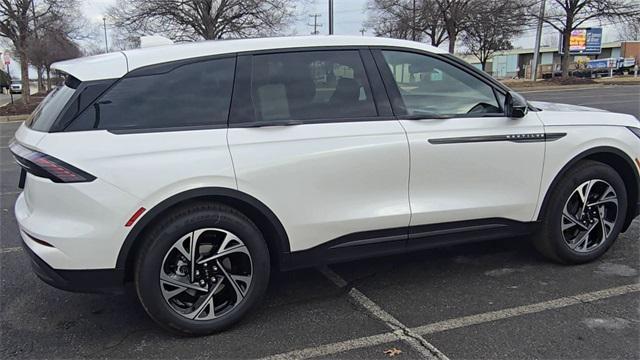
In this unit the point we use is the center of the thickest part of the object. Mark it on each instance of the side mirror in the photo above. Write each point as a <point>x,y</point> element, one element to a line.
<point>515,105</point>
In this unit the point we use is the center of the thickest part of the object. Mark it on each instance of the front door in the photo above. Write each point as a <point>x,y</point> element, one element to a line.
<point>470,163</point>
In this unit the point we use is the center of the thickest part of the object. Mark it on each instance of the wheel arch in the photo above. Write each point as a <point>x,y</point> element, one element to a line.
<point>271,227</point>
<point>620,162</point>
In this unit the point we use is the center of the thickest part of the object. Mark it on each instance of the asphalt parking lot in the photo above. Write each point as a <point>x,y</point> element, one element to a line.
<point>497,300</point>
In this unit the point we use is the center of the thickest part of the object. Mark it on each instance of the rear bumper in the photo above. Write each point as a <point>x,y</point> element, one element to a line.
<point>87,281</point>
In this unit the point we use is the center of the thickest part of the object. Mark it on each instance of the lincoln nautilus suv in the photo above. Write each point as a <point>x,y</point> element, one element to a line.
<point>284,153</point>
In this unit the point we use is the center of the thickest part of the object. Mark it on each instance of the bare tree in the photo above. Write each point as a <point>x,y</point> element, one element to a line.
<point>51,39</point>
<point>202,19</point>
<point>392,18</point>
<point>19,20</point>
<point>15,24</point>
<point>568,15</point>
<point>455,17</point>
<point>432,23</point>
<point>630,30</point>
<point>401,19</point>
<point>51,46</point>
<point>491,27</point>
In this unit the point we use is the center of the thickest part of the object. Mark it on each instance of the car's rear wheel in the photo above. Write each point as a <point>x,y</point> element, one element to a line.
<point>201,269</point>
<point>585,214</point>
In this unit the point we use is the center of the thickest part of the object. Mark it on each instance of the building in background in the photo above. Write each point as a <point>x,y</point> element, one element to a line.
<point>515,63</point>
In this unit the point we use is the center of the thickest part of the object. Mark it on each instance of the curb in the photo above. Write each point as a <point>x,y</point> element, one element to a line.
<point>572,87</point>
<point>13,118</point>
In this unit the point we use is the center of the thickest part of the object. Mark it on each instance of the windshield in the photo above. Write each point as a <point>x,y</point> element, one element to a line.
<point>47,112</point>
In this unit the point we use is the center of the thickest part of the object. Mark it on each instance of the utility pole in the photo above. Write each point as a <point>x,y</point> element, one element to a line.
<point>106,44</point>
<point>35,23</point>
<point>413,23</point>
<point>330,17</point>
<point>536,50</point>
<point>315,24</point>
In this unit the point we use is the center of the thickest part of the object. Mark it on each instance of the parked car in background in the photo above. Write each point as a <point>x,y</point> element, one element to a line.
<point>16,86</point>
<point>295,152</point>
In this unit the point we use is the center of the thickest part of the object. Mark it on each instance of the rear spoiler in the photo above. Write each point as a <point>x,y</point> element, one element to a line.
<point>99,67</point>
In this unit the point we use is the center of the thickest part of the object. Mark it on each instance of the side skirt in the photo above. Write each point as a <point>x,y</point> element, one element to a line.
<point>376,243</point>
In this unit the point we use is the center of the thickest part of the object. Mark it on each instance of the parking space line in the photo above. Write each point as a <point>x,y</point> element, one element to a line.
<point>525,309</point>
<point>385,338</point>
<point>10,249</point>
<point>417,342</point>
<point>335,348</point>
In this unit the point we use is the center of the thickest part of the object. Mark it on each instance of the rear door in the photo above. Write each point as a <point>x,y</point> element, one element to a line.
<point>471,166</point>
<point>312,136</point>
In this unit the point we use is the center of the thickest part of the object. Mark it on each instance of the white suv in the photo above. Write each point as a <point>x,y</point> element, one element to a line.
<point>192,170</point>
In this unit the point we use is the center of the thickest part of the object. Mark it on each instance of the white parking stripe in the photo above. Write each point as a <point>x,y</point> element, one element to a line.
<point>417,342</point>
<point>10,250</point>
<point>525,309</point>
<point>363,342</point>
<point>335,348</point>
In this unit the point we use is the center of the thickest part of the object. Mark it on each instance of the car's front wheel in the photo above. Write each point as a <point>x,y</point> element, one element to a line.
<point>201,269</point>
<point>584,215</point>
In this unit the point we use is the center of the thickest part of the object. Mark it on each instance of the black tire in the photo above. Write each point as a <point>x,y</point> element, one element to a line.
<point>158,242</point>
<point>549,240</point>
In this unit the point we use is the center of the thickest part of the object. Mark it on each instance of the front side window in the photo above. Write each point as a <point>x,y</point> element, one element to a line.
<point>432,87</point>
<point>194,94</point>
<point>310,85</point>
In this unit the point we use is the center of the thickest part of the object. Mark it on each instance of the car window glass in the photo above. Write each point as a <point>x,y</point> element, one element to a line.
<point>429,86</point>
<point>310,85</point>
<point>193,94</point>
<point>48,110</point>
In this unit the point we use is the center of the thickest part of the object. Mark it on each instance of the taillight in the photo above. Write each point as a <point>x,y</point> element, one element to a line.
<point>43,165</point>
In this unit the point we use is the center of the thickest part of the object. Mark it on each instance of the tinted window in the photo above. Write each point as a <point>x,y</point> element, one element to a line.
<point>48,110</point>
<point>187,95</point>
<point>85,95</point>
<point>429,86</point>
<point>310,85</point>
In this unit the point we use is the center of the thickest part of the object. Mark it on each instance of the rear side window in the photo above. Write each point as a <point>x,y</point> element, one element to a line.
<point>310,85</point>
<point>194,94</point>
<point>44,116</point>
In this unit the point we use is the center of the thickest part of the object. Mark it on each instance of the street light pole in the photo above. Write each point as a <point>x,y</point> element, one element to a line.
<point>413,25</point>
<point>106,44</point>
<point>536,50</point>
<point>330,17</point>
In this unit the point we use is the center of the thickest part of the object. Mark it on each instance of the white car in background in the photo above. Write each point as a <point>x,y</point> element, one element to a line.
<point>293,152</point>
<point>15,87</point>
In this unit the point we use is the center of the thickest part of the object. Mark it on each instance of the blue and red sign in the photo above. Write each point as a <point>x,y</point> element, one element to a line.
<point>587,41</point>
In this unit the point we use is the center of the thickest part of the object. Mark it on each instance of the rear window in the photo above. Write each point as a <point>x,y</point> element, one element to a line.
<point>193,94</point>
<point>46,113</point>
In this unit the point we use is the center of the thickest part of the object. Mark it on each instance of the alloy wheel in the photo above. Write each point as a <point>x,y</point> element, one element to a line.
<point>589,215</point>
<point>206,274</point>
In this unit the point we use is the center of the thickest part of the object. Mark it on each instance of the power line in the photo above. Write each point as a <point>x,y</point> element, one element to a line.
<point>315,24</point>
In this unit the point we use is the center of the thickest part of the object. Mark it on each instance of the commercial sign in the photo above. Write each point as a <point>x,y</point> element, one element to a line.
<point>585,41</point>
